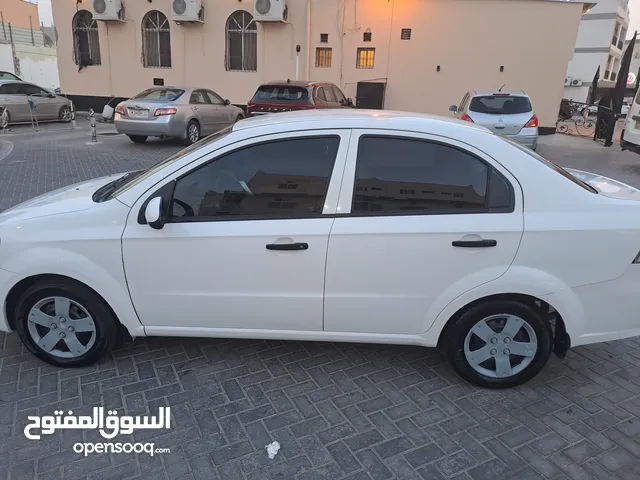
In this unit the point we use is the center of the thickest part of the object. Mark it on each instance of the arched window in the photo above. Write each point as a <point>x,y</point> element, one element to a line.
<point>242,42</point>
<point>86,42</point>
<point>156,40</point>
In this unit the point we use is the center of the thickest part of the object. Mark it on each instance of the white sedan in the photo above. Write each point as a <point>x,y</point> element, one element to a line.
<point>349,226</point>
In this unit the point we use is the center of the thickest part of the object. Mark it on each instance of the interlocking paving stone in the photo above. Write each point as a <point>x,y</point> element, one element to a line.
<point>340,411</point>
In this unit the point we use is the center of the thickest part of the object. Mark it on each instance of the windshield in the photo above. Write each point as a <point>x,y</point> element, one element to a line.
<point>552,165</point>
<point>280,93</point>
<point>166,94</point>
<point>144,174</point>
<point>500,104</point>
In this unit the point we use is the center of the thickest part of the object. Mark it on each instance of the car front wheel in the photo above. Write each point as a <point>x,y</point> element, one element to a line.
<point>499,343</point>
<point>65,323</point>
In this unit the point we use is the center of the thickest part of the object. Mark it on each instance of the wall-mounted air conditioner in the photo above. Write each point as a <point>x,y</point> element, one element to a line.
<point>108,10</point>
<point>270,10</point>
<point>187,11</point>
<point>576,83</point>
<point>567,81</point>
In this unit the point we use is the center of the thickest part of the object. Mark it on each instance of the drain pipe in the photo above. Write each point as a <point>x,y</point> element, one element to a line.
<point>308,39</point>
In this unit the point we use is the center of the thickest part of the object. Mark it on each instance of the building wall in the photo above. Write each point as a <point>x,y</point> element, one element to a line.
<point>17,13</point>
<point>454,34</point>
<point>38,65</point>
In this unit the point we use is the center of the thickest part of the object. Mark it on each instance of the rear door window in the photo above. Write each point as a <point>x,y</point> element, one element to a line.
<point>281,94</point>
<point>500,104</point>
<point>198,97</point>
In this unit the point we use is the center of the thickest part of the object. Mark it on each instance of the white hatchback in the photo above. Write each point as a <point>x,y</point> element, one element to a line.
<point>351,226</point>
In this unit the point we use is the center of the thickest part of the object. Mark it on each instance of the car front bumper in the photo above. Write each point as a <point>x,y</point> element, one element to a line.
<point>164,126</point>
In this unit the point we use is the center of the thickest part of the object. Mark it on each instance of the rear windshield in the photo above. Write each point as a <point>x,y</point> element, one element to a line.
<point>500,105</point>
<point>167,94</point>
<point>8,76</point>
<point>281,93</point>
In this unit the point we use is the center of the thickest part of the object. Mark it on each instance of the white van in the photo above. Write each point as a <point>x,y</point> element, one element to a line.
<point>630,137</point>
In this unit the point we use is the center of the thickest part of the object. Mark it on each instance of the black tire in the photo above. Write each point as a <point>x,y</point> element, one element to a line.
<point>64,114</point>
<point>106,324</point>
<point>238,118</point>
<point>456,333</point>
<point>137,138</point>
<point>189,138</point>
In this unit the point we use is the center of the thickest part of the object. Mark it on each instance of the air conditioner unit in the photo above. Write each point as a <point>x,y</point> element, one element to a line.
<point>187,11</point>
<point>576,83</point>
<point>567,81</point>
<point>108,10</point>
<point>270,10</point>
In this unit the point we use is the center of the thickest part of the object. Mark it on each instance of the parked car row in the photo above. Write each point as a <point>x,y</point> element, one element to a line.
<point>191,113</point>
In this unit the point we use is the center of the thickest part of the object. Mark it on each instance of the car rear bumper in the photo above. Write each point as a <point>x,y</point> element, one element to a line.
<point>166,126</point>
<point>527,137</point>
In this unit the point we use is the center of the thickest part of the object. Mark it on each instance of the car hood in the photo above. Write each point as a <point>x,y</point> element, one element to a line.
<point>606,186</point>
<point>72,198</point>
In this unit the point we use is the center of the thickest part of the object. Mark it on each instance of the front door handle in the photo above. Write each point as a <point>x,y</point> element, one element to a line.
<point>287,246</point>
<point>474,243</point>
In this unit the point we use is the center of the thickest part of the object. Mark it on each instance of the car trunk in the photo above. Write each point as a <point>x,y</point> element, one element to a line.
<point>279,98</point>
<point>502,114</point>
<point>144,106</point>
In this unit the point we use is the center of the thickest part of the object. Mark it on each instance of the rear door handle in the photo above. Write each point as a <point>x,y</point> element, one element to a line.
<point>474,243</point>
<point>287,246</point>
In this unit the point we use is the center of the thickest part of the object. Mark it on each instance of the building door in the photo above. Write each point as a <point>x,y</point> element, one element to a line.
<point>370,95</point>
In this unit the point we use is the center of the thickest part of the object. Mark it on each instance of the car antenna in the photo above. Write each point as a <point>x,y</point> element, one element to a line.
<point>500,89</point>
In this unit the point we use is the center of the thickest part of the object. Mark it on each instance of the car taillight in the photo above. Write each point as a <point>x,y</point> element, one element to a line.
<point>466,118</point>
<point>165,111</point>
<point>533,122</point>
<point>120,110</point>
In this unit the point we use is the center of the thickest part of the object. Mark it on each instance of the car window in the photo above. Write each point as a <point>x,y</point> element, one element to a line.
<point>280,94</point>
<point>8,76</point>
<point>328,94</point>
<point>405,175</point>
<point>320,94</point>
<point>500,104</point>
<point>463,103</point>
<point>29,89</point>
<point>10,89</point>
<point>273,179</point>
<point>164,94</point>
<point>198,97</point>
<point>338,94</point>
<point>214,98</point>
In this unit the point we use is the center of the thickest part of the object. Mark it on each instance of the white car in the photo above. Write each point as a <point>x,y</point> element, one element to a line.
<point>351,226</point>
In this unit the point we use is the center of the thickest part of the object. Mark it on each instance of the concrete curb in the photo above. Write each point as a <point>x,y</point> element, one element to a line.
<point>6,147</point>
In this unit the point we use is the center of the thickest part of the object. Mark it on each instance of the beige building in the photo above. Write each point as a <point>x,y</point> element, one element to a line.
<point>427,53</point>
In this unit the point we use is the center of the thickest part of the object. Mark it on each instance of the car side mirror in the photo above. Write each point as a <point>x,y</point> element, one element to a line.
<point>154,214</point>
<point>453,108</point>
<point>227,102</point>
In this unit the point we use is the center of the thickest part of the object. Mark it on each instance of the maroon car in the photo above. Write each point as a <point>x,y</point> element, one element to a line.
<point>286,96</point>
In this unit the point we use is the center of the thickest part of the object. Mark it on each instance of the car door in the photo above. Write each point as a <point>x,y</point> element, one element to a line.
<point>204,111</point>
<point>340,98</point>
<point>413,207</point>
<point>320,98</point>
<point>225,115</point>
<point>46,107</point>
<point>244,247</point>
<point>16,102</point>
<point>332,101</point>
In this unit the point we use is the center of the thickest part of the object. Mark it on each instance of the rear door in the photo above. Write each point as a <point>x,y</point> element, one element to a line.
<point>205,112</point>
<point>504,114</point>
<point>423,220</point>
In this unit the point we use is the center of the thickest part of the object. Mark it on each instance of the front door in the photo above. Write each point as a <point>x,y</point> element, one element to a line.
<point>418,210</point>
<point>245,245</point>
<point>224,114</point>
<point>46,107</point>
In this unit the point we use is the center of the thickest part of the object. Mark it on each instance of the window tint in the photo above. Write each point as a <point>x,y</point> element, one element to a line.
<point>280,93</point>
<point>28,89</point>
<point>320,94</point>
<point>338,94</point>
<point>214,98</point>
<point>8,76</point>
<point>402,175</point>
<point>328,94</point>
<point>169,94</point>
<point>500,105</point>
<point>275,179</point>
<point>10,89</point>
<point>198,97</point>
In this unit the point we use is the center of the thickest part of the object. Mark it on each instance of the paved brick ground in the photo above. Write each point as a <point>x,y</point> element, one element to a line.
<point>340,411</point>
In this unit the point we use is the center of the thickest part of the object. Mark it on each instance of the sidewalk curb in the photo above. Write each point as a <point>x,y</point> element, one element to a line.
<point>6,147</point>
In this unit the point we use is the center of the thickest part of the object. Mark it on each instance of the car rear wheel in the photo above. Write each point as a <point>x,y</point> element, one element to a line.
<point>193,133</point>
<point>65,323</point>
<point>499,343</point>
<point>137,138</point>
<point>65,114</point>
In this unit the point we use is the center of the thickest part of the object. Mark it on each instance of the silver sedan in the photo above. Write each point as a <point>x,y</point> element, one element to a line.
<point>15,95</point>
<point>186,113</point>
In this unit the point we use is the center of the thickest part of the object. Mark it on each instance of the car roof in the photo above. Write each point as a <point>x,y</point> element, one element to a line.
<point>517,93</point>
<point>374,119</point>
<point>296,83</point>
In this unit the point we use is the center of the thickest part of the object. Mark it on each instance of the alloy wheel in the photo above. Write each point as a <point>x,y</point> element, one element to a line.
<point>500,346</point>
<point>61,327</point>
<point>193,133</point>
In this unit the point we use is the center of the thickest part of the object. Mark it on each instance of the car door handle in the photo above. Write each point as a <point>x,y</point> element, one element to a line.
<point>474,243</point>
<point>287,246</point>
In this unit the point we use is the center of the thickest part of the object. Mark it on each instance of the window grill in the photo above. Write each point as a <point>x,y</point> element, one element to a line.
<point>242,43</point>
<point>156,40</point>
<point>86,41</point>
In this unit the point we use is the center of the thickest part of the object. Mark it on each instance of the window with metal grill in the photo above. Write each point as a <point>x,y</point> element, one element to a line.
<point>324,38</point>
<point>242,42</point>
<point>323,57</point>
<point>366,58</point>
<point>86,42</point>
<point>156,40</point>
